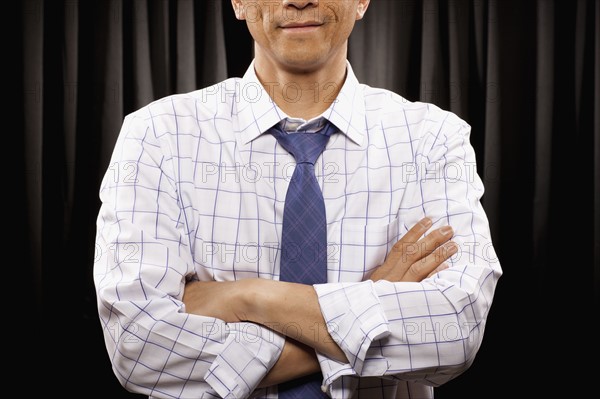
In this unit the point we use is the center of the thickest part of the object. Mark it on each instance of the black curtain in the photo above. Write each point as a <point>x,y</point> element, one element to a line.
<point>525,74</point>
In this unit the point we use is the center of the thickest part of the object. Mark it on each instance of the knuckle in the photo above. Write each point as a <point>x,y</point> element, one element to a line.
<point>411,249</point>
<point>397,247</point>
<point>415,270</point>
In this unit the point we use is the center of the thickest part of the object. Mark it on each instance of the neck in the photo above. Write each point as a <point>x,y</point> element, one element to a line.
<point>302,93</point>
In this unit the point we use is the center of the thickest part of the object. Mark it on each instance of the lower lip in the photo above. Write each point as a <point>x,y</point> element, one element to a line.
<point>302,29</point>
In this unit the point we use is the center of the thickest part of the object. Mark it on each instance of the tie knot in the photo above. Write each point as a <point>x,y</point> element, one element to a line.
<point>304,147</point>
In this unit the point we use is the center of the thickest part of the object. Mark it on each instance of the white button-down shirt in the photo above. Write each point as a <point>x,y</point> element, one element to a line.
<point>196,190</point>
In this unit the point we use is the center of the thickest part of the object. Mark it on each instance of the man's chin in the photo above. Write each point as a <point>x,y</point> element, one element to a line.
<point>304,63</point>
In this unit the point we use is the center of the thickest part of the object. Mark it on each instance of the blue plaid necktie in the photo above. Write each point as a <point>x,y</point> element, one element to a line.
<point>304,233</point>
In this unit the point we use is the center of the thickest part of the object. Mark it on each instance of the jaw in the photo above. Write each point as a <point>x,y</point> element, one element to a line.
<point>300,55</point>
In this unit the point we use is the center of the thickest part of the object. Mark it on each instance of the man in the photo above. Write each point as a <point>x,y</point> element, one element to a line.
<point>206,285</point>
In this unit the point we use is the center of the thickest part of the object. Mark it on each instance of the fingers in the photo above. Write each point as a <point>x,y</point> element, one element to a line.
<point>414,234</point>
<point>407,241</point>
<point>408,253</point>
<point>414,258</point>
<point>397,254</point>
<point>429,244</point>
<point>430,264</point>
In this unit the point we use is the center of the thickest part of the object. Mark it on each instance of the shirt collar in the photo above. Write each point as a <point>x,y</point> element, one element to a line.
<point>257,112</point>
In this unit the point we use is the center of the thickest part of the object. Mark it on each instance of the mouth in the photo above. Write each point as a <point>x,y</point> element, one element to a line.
<point>301,26</point>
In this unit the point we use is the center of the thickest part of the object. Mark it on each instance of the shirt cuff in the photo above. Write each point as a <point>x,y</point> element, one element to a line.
<point>333,371</point>
<point>249,353</point>
<point>354,317</point>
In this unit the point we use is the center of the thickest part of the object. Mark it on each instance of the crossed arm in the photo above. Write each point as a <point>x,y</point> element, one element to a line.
<point>276,304</point>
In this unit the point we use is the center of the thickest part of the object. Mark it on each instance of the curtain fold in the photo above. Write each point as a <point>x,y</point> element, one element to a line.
<point>159,20</point>
<point>33,97</point>
<point>186,47</point>
<point>70,78</point>
<point>143,89</point>
<point>543,126</point>
<point>112,85</point>
<point>596,211</point>
<point>213,57</point>
<point>491,169</point>
<point>524,74</point>
<point>434,85</point>
<point>458,54</point>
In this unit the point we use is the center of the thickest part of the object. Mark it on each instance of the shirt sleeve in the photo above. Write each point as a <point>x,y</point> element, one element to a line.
<point>427,332</point>
<point>143,260</point>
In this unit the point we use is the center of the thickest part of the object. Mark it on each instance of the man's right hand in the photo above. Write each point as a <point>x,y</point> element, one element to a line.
<point>414,258</point>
